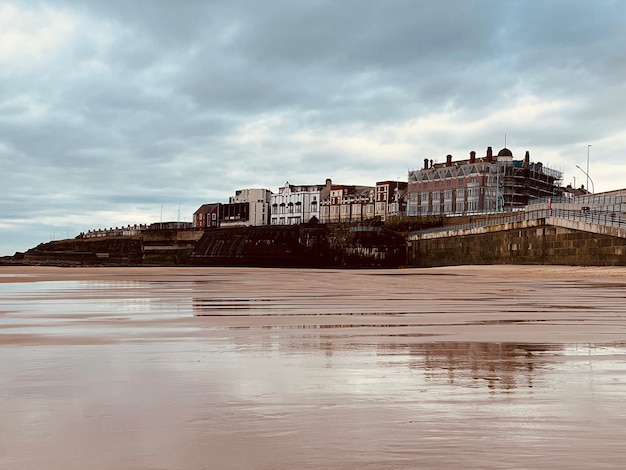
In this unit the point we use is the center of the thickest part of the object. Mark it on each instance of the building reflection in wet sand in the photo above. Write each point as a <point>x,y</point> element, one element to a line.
<point>498,366</point>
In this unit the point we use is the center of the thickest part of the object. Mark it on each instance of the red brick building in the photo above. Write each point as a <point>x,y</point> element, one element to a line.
<point>487,184</point>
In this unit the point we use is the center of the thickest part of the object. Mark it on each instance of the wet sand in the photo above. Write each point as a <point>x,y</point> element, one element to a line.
<point>242,368</point>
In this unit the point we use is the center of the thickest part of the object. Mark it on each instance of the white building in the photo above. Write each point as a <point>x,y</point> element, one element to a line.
<point>259,204</point>
<point>297,204</point>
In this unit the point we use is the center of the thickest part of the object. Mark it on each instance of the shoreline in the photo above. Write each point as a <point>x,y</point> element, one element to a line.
<point>21,273</point>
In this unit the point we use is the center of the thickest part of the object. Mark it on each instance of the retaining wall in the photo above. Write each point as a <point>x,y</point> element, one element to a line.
<point>527,242</point>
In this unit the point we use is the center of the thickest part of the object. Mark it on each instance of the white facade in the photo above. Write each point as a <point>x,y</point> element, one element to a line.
<point>297,204</point>
<point>259,203</point>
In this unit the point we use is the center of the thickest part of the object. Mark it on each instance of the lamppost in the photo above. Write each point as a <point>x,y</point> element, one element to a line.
<point>588,146</point>
<point>593,190</point>
<point>498,207</point>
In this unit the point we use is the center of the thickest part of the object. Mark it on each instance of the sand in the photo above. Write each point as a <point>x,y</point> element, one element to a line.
<point>238,368</point>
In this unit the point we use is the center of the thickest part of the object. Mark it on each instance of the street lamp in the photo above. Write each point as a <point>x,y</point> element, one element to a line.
<point>588,146</point>
<point>593,190</point>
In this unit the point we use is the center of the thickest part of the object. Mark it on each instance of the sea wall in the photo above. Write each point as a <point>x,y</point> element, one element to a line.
<point>536,241</point>
<point>528,242</point>
<point>108,251</point>
<point>168,246</point>
<point>307,245</point>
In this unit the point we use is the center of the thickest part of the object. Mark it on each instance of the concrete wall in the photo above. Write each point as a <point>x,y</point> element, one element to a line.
<point>529,242</point>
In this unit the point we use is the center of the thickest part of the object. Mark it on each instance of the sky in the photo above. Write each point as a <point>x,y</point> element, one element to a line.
<point>116,112</point>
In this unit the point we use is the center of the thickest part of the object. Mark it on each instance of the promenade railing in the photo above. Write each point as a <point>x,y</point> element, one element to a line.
<point>611,216</point>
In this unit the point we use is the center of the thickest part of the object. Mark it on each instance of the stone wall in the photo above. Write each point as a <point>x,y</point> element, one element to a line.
<point>168,247</point>
<point>522,243</point>
<point>536,241</point>
<point>314,245</point>
<point>111,251</point>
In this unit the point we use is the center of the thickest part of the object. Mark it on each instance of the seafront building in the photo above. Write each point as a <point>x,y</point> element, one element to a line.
<point>478,184</point>
<point>246,207</point>
<point>258,201</point>
<point>487,184</point>
<point>351,203</point>
<point>391,198</point>
<point>136,229</point>
<point>296,204</point>
<point>348,203</point>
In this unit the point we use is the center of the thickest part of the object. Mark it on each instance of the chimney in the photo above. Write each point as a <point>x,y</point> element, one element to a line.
<point>426,164</point>
<point>472,157</point>
<point>448,160</point>
<point>489,155</point>
<point>527,159</point>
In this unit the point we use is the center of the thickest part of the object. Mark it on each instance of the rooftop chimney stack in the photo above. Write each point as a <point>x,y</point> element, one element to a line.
<point>527,159</point>
<point>426,164</point>
<point>472,157</point>
<point>448,160</point>
<point>489,155</point>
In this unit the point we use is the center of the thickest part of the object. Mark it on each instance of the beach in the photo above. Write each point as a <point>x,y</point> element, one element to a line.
<point>250,368</point>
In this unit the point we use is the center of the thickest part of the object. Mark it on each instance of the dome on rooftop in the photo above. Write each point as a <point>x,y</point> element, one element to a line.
<point>505,152</point>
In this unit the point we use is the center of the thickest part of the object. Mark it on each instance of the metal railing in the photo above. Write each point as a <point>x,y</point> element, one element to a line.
<point>612,217</point>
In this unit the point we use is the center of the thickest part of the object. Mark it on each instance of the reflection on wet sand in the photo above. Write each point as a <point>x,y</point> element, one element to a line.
<point>480,367</point>
<point>495,365</point>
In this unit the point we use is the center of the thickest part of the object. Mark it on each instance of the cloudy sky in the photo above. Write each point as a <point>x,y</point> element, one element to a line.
<point>115,112</point>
